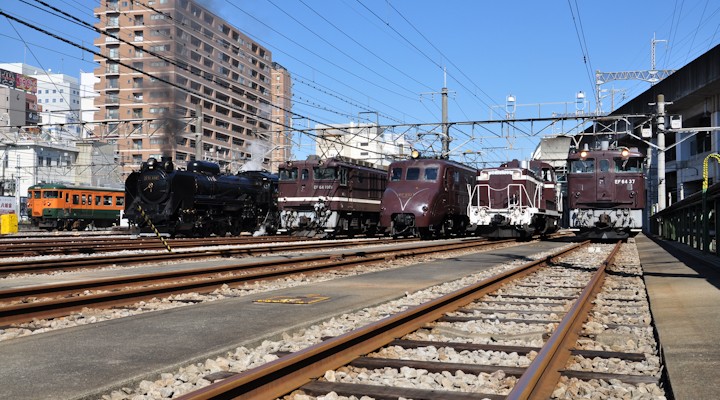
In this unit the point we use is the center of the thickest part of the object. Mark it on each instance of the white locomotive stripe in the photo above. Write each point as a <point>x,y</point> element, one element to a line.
<point>312,199</point>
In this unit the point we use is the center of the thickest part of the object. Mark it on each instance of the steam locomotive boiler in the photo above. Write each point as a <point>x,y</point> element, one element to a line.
<point>200,200</point>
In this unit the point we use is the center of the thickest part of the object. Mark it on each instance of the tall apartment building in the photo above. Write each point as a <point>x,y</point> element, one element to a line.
<point>192,61</point>
<point>281,116</point>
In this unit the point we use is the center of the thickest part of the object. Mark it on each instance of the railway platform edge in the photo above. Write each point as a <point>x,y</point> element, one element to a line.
<point>683,285</point>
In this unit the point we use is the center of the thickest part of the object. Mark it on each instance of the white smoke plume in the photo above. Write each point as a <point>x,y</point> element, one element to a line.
<point>258,150</point>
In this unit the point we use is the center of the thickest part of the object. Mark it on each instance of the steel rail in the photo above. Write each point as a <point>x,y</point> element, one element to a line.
<point>279,377</point>
<point>91,245</point>
<point>66,264</point>
<point>126,290</point>
<point>542,375</point>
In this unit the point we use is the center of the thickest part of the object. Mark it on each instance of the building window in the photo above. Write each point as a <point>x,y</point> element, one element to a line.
<point>137,144</point>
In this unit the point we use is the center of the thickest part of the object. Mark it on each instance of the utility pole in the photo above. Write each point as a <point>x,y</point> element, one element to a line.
<point>445,137</point>
<point>198,133</point>
<point>445,127</point>
<point>661,151</point>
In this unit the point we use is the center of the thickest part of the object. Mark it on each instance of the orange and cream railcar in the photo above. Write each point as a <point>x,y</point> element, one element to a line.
<point>68,207</point>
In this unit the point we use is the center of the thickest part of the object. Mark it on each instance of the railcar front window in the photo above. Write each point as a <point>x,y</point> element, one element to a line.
<point>288,174</point>
<point>36,195</point>
<point>628,165</point>
<point>324,174</point>
<point>50,194</point>
<point>396,174</point>
<point>583,166</point>
<point>604,165</point>
<point>431,174</point>
<point>413,174</point>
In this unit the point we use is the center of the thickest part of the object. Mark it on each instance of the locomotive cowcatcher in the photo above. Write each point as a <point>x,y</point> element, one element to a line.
<point>200,200</point>
<point>426,197</point>
<point>606,192</point>
<point>515,200</point>
<point>329,197</point>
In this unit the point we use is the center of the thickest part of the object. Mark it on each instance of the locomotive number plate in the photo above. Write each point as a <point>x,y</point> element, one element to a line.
<point>624,181</point>
<point>307,299</point>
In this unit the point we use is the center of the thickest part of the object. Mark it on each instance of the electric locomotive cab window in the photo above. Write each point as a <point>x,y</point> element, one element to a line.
<point>431,174</point>
<point>36,194</point>
<point>396,174</point>
<point>305,174</point>
<point>628,165</point>
<point>343,176</point>
<point>413,174</point>
<point>288,174</point>
<point>325,174</point>
<point>583,166</point>
<point>604,165</point>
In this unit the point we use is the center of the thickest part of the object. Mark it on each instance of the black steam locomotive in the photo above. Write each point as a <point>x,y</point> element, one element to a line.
<point>200,201</point>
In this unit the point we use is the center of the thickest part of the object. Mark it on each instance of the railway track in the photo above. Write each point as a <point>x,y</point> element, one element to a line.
<point>52,301</point>
<point>552,299</point>
<point>34,246</point>
<point>70,263</point>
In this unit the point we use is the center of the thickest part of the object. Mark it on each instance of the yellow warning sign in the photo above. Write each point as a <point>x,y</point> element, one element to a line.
<point>307,299</point>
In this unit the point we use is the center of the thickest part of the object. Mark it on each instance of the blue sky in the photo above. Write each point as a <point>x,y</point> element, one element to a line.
<point>352,58</point>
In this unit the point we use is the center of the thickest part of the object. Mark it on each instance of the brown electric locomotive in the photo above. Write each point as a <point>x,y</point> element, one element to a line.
<point>426,198</point>
<point>330,197</point>
<point>606,192</point>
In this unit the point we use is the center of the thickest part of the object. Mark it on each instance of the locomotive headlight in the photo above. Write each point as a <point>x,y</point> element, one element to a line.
<point>625,152</point>
<point>415,154</point>
<point>583,154</point>
<point>151,162</point>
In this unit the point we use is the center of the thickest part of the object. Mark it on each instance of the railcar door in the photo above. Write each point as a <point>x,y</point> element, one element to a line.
<point>605,191</point>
